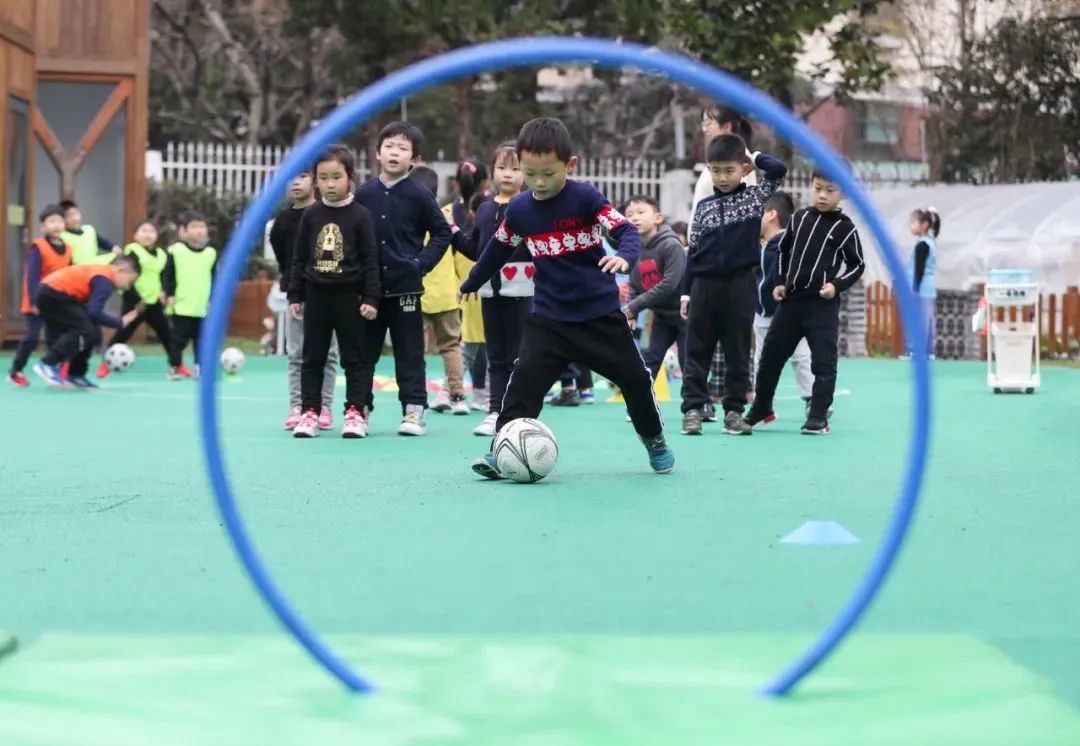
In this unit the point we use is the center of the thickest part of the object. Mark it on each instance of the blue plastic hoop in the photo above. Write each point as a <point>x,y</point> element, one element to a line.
<point>545,51</point>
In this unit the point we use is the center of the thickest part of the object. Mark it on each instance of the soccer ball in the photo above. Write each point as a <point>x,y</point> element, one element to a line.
<point>525,450</point>
<point>119,357</point>
<point>232,360</point>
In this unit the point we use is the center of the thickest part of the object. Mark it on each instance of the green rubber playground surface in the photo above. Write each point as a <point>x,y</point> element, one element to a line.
<point>603,605</point>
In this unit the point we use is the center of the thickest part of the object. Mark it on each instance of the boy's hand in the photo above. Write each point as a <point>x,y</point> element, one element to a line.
<point>613,264</point>
<point>34,310</point>
<point>163,299</point>
<point>828,291</point>
<point>631,317</point>
<point>128,317</point>
<point>369,312</point>
<point>296,311</point>
<point>684,309</point>
<point>170,300</point>
<point>779,293</point>
<point>466,296</point>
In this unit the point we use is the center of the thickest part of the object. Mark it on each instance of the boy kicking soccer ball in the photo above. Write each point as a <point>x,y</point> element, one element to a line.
<point>576,315</point>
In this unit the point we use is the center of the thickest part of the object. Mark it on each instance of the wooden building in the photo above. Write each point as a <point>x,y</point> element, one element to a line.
<point>74,80</point>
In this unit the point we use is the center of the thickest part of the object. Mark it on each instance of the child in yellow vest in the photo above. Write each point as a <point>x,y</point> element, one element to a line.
<point>87,246</point>
<point>188,279</point>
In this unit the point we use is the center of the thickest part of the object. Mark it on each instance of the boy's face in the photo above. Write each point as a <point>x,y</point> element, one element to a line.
<point>73,218</point>
<point>146,235</point>
<point>508,178</point>
<point>646,218</point>
<point>196,234</point>
<point>125,277</point>
<point>52,226</point>
<point>395,156</point>
<point>333,180</point>
<point>826,195</point>
<point>301,187</point>
<point>544,173</point>
<point>727,175</point>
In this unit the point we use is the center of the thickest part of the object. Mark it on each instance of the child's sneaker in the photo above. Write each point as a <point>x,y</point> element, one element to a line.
<point>480,400</point>
<point>587,396</point>
<point>355,425</point>
<point>50,374</point>
<point>754,418</point>
<point>487,427</point>
<point>458,405</point>
<point>708,412</point>
<point>178,373</point>
<point>815,426</point>
<point>326,418</point>
<point>103,370</point>
<point>308,426</point>
<point>566,398</point>
<point>486,467</point>
<point>18,380</point>
<point>64,369</point>
<point>442,402</point>
<point>691,422</point>
<point>414,422</point>
<point>661,457</point>
<point>734,424</point>
<point>83,383</point>
<point>294,418</point>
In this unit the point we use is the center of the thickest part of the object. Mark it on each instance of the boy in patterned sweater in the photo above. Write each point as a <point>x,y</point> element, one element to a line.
<point>576,315</point>
<point>719,291</point>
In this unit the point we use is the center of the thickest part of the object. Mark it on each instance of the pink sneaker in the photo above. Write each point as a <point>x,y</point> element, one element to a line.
<point>326,419</point>
<point>355,424</point>
<point>294,418</point>
<point>308,427</point>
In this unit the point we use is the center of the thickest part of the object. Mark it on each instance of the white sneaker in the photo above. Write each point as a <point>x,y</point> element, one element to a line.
<point>480,400</point>
<point>487,427</point>
<point>355,425</point>
<point>442,402</point>
<point>414,422</point>
<point>308,427</point>
<point>458,405</point>
<point>293,419</point>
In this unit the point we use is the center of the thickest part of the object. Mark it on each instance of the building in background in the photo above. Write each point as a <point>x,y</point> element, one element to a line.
<point>73,96</point>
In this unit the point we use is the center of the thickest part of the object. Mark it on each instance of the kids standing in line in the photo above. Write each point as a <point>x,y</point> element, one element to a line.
<point>820,256</point>
<point>719,292</point>
<point>925,225</point>
<point>87,246</point>
<point>282,241</point>
<point>576,314</point>
<point>47,254</point>
<point>148,294</point>
<point>404,212</point>
<point>187,282</point>
<point>334,288</point>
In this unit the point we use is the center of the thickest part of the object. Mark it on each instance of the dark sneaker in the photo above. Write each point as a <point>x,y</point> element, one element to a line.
<point>815,426</point>
<point>708,412</point>
<point>486,467</point>
<point>565,398</point>
<point>661,457</point>
<point>82,382</point>
<point>691,422</point>
<point>734,424</point>
<point>755,418</point>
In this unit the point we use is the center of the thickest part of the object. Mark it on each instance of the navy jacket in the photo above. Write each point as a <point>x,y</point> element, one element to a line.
<point>767,276</point>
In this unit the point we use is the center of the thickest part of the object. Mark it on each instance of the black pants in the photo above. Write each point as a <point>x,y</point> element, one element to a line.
<point>68,324</point>
<point>154,315</point>
<point>662,335</point>
<point>401,316</point>
<point>579,376</point>
<point>185,329</point>
<point>29,342</point>
<point>504,328</point>
<point>721,309</point>
<point>329,309</point>
<point>816,319</point>
<point>604,345</point>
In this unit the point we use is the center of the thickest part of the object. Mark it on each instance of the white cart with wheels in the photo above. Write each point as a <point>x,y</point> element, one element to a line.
<point>1012,350</point>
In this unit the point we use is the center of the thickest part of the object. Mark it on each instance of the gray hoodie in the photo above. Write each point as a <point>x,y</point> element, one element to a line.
<point>657,276</point>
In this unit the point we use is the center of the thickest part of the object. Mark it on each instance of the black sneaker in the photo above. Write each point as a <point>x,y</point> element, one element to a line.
<point>755,418</point>
<point>734,424</point>
<point>815,426</point>
<point>566,398</point>
<point>691,422</point>
<point>708,412</point>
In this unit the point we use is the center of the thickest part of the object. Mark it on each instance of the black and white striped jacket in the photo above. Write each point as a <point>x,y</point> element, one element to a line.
<point>817,248</point>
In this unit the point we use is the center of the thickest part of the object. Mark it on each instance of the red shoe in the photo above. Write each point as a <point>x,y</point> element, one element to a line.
<point>18,380</point>
<point>103,370</point>
<point>64,368</point>
<point>183,371</point>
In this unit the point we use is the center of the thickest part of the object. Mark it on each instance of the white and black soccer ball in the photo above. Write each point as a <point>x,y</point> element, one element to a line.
<point>526,450</point>
<point>119,357</point>
<point>232,360</point>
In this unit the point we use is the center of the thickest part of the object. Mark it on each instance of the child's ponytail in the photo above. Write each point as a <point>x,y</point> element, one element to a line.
<point>470,175</point>
<point>934,220</point>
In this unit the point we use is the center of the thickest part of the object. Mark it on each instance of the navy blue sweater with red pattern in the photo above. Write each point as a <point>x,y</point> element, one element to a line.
<point>563,234</point>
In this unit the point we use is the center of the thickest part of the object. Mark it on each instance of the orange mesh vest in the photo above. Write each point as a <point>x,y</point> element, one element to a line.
<point>51,261</point>
<point>75,281</point>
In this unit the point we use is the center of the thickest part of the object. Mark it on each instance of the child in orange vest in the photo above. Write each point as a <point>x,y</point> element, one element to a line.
<point>46,254</point>
<point>72,302</point>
